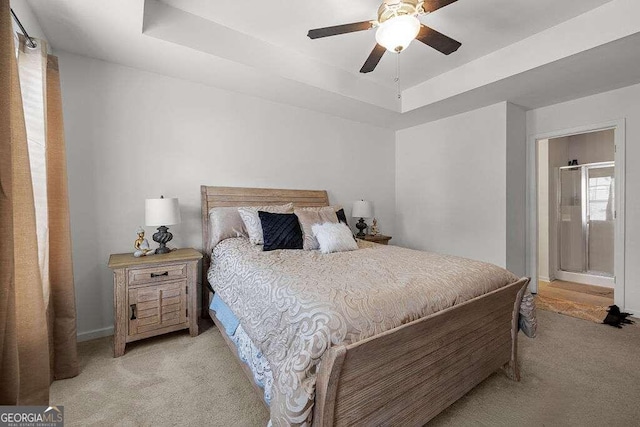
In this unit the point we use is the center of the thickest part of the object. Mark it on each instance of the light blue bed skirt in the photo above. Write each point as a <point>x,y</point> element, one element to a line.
<point>247,350</point>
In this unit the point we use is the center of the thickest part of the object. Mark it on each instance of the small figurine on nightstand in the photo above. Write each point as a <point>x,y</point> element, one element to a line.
<point>374,228</point>
<point>142,245</point>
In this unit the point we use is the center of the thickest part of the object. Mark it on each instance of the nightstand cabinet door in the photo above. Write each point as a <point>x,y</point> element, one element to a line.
<point>157,306</point>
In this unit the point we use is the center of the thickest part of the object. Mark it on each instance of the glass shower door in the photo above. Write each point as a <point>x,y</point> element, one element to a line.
<point>571,231</point>
<point>586,219</point>
<point>600,219</point>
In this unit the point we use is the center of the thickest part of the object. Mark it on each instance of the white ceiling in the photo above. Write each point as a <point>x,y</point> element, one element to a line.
<point>522,51</point>
<point>482,26</point>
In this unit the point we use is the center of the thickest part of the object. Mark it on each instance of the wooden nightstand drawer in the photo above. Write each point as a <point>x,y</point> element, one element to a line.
<point>378,238</point>
<point>144,276</point>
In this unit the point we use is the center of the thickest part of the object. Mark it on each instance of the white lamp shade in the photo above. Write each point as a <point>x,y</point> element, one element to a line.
<point>362,209</point>
<point>398,32</point>
<point>161,212</point>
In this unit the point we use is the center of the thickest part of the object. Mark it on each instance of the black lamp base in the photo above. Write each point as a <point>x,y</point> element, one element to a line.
<point>361,226</point>
<point>162,237</point>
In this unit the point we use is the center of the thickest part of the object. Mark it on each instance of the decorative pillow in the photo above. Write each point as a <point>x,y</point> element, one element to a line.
<point>280,231</point>
<point>341,216</point>
<point>334,237</point>
<point>225,223</point>
<point>251,220</point>
<point>310,216</point>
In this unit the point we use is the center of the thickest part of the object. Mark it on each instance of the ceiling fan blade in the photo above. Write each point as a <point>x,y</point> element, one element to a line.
<point>431,5</point>
<point>437,40</point>
<point>340,29</point>
<point>373,59</point>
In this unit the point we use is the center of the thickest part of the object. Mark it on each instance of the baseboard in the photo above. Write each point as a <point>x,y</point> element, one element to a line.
<point>544,279</point>
<point>587,279</point>
<point>634,312</point>
<point>96,333</point>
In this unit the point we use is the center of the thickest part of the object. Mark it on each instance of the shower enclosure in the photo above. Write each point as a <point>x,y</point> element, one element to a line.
<point>586,223</point>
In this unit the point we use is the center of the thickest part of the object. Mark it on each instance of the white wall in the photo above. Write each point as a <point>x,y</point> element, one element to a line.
<point>618,104</point>
<point>133,135</point>
<point>516,181</point>
<point>451,185</point>
<point>542,151</point>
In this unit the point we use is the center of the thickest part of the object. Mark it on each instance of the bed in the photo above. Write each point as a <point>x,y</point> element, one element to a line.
<point>403,374</point>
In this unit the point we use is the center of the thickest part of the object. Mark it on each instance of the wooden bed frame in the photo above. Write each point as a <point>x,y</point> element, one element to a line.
<point>407,375</point>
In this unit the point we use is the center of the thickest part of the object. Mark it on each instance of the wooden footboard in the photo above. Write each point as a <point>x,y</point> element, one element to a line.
<point>408,375</point>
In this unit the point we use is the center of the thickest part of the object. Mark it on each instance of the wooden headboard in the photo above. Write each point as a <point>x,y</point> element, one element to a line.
<point>213,197</point>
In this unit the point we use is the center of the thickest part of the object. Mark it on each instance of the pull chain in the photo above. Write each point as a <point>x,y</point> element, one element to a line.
<point>397,79</point>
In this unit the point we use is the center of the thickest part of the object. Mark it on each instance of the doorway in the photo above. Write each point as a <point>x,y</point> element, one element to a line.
<point>576,227</point>
<point>576,208</point>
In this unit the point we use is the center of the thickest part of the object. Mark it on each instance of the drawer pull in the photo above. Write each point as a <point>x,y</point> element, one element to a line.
<point>166,273</point>
<point>133,311</point>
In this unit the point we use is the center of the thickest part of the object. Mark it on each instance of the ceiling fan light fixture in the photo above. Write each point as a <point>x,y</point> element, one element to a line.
<point>396,33</point>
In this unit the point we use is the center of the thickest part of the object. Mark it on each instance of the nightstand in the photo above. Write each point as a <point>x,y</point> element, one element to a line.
<point>153,295</point>
<point>378,238</point>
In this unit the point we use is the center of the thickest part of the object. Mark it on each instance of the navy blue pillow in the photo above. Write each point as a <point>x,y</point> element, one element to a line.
<point>280,231</point>
<point>342,217</point>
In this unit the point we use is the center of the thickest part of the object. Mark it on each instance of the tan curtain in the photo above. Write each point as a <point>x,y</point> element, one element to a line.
<point>37,334</point>
<point>62,303</point>
<point>11,129</point>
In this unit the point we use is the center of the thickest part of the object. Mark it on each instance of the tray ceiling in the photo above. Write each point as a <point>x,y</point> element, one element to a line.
<point>482,26</point>
<point>513,50</point>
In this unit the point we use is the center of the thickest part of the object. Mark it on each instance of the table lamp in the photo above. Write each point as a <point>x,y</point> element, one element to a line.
<point>362,209</point>
<point>160,213</point>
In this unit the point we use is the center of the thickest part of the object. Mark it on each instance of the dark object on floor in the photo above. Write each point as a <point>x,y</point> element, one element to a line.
<point>617,318</point>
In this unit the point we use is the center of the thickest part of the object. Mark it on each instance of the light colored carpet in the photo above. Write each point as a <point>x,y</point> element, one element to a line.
<point>575,373</point>
<point>167,380</point>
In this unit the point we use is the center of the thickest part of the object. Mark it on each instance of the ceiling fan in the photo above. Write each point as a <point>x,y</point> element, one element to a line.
<point>398,26</point>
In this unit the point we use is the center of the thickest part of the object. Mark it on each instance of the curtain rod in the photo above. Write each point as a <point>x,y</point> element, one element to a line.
<point>32,44</point>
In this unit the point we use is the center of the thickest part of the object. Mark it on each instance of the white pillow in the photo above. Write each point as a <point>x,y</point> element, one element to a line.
<point>334,237</point>
<point>252,222</point>
<point>308,217</point>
